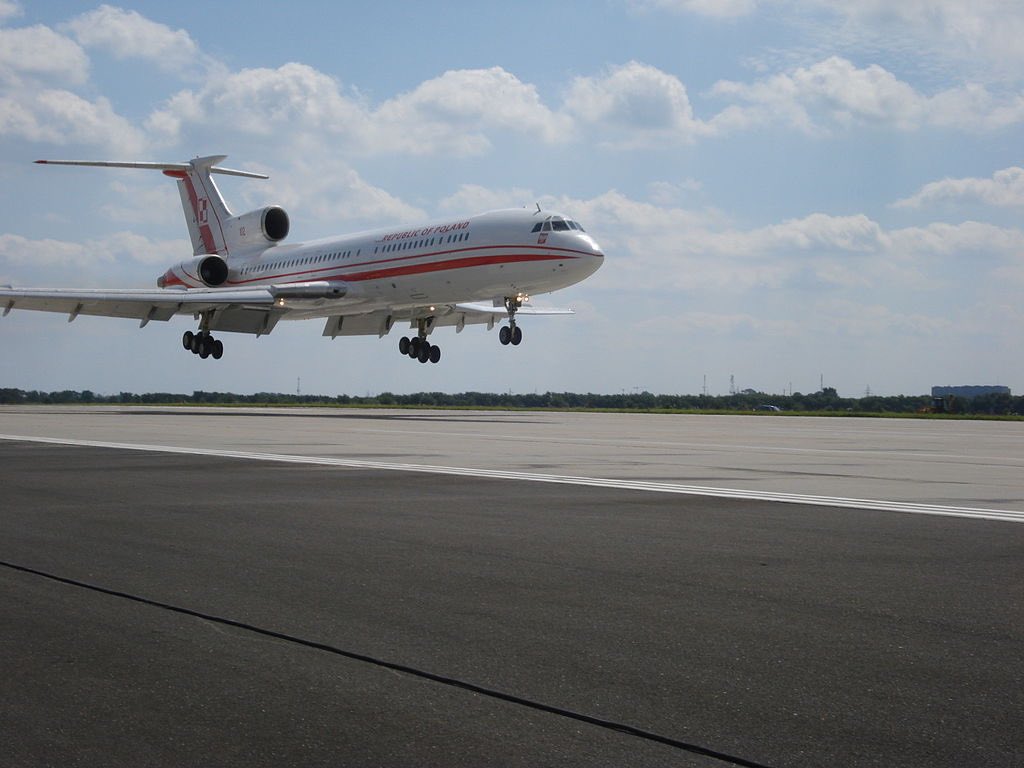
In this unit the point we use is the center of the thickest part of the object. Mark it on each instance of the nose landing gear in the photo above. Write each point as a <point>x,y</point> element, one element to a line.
<point>512,333</point>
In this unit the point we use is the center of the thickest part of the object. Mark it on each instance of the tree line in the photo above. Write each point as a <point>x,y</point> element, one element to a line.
<point>825,400</point>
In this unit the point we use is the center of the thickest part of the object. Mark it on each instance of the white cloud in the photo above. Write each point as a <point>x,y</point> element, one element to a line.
<point>971,240</point>
<point>62,117</point>
<point>834,93</point>
<point>289,100</point>
<point>731,324</point>
<point>635,105</point>
<point>121,259</point>
<point>722,9</point>
<point>32,61</point>
<point>667,193</point>
<point>1004,190</point>
<point>9,9</point>
<point>448,112</point>
<point>984,30</point>
<point>39,52</point>
<point>867,319</point>
<point>344,196</point>
<point>322,192</point>
<point>472,198</point>
<point>664,248</point>
<point>452,113</point>
<point>129,35</point>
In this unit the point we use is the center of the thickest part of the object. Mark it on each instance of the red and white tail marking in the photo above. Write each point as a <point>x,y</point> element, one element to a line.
<point>206,213</point>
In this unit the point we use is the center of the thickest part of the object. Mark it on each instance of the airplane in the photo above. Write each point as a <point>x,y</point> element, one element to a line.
<point>242,278</point>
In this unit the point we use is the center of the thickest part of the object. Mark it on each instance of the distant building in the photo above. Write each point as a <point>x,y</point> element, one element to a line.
<point>970,391</point>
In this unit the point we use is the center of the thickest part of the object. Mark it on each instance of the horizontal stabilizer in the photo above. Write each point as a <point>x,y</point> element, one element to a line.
<point>179,167</point>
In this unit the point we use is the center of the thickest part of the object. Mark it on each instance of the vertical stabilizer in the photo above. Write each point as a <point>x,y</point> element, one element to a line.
<point>206,213</point>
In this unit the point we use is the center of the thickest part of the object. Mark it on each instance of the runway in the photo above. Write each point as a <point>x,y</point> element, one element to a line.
<point>289,604</point>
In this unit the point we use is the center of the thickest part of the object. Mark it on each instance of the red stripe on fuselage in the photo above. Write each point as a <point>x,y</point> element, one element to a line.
<point>414,269</point>
<point>448,264</point>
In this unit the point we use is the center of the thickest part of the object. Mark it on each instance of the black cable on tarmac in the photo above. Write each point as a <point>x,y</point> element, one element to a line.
<point>629,730</point>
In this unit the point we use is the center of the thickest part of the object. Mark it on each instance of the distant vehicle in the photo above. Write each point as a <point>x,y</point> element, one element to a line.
<point>767,408</point>
<point>240,278</point>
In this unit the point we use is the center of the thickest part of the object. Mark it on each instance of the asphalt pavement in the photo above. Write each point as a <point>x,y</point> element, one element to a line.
<point>167,609</point>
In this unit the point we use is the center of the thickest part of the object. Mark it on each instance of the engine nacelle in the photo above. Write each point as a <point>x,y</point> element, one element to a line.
<point>257,228</point>
<point>209,271</point>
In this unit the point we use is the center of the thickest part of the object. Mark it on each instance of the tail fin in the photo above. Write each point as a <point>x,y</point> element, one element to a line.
<point>206,213</point>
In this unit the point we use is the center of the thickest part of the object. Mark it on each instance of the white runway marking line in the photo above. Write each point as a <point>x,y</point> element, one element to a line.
<point>1004,515</point>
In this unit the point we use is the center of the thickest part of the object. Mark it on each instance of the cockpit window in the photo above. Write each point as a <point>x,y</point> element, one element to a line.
<point>557,225</point>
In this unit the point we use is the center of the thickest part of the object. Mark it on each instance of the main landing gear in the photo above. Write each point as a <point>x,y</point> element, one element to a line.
<point>203,344</point>
<point>511,333</point>
<point>418,348</point>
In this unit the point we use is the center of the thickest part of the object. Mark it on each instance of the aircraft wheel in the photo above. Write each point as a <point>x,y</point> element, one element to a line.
<point>403,345</point>
<point>204,347</point>
<point>186,340</point>
<point>218,349</point>
<point>504,335</point>
<point>414,346</point>
<point>435,354</point>
<point>517,335</point>
<point>424,352</point>
<point>194,344</point>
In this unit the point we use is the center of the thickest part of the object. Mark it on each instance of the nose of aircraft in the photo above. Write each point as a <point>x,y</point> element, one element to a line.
<point>595,252</point>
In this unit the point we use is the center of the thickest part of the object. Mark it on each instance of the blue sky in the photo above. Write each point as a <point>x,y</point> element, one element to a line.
<point>787,191</point>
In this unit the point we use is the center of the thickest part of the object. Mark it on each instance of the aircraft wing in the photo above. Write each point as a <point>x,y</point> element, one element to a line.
<point>360,322</point>
<point>488,310</point>
<point>245,310</point>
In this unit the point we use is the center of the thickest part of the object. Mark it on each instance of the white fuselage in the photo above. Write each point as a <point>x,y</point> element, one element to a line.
<point>478,258</point>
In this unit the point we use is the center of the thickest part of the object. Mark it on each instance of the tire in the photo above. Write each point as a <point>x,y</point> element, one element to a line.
<point>194,346</point>
<point>517,336</point>
<point>403,345</point>
<point>435,354</point>
<point>424,353</point>
<point>414,347</point>
<point>186,340</point>
<point>504,335</point>
<point>218,349</point>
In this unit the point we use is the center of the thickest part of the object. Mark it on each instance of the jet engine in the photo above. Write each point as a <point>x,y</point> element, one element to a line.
<point>256,228</point>
<point>210,271</point>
